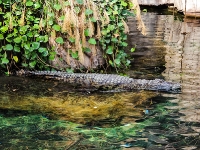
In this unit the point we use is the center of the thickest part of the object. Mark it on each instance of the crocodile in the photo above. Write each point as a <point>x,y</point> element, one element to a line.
<point>106,81</point>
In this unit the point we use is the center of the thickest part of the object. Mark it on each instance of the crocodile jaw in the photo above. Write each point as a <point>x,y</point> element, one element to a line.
<point>170,87</point>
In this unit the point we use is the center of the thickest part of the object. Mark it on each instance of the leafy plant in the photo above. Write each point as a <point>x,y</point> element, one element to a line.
<point>27,29</point>
<point>22,40</point>
<point>114,32</point>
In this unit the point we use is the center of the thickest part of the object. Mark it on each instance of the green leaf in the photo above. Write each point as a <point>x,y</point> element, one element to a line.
<point>29,3</point>
<point>109,50</point>
<point>36,26</point>
<point>75,55</point>
<point>33,56</point>
<point>123,3</point>
<point>8,39</point>
<point>117,61</point>
<point>70,70</point>
<point>17,40</point>
<point>27,46</point>
<point>24,64</point>
<point>4,29</point>
<point>120,24</point>
<point>15,59</point>
<point>103,31</point>
<point>115,12</point>
<point>93,19</point>
<point>124,37</point>
<point>30,17</point>
<point>111,27</point>
<point>46,38</point>
<point>45,53</point>
<point>40,39</point>
<point>59,40</point>
<point>86,50</point>
<point>128,62</point>
<point>124,44</point>
<point>131,4</point>
<point>61,18</point>
<point>92,41</point>
<point>88,12</point>
<point>77,9</point>
<point>57,7</point>
<point>87,32</point>
<point>107,41</point>
<point>42,49</point>
<point>133,49</point>
<point>115,40</point>
<point>52,55</point>
<point>32,64</point>
<point>50,22</point>
<point>79,2</point>
<point>110,62</point>
<point>24,38</point>
<point>72,40</point>
<point>29,34</point>
<point>144,10</point>
<point>23,30</point>
<point>56,27</point>
<point>9,47</point>
<point>35,45</point>
<point>15,32</point>
<point>1,37</point>
<point>36,34</point>
<point>37,5</point>
<point>4,60</point>
<point>16,48</point>
<point>66,3</point>
<point>51,14</point>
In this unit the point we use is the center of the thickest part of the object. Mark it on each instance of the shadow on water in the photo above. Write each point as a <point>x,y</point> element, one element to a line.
<point>39,114</point>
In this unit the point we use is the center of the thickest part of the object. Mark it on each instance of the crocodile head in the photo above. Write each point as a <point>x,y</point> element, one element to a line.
<point>176,88</point>
<point>170,87</point>
<point>161,85</point>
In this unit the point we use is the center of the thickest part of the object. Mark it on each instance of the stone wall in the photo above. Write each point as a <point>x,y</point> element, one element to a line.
<point>189,8</point>
<point>150,50</point>
<point>155,2</point>
<point>183,55</point>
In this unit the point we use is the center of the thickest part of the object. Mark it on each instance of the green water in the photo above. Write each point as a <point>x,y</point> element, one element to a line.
<point>41,114</point>
<point>155,123</point>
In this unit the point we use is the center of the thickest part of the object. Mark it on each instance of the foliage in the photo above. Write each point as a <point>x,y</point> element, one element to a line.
<point>32,31</point>
<point>114,32</point>
<point>22,40</point>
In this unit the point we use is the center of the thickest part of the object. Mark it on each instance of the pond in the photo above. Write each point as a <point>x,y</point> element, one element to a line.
<point>41,114</point>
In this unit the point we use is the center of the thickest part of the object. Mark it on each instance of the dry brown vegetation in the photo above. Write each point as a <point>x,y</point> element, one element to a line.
<point>74,25</point>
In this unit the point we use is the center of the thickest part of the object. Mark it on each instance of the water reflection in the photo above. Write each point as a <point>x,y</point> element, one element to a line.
<point>180,122</point>
<point>57,100</point>
<point>183,46</point>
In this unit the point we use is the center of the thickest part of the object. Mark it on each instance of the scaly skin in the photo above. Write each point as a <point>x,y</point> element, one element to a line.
<point>107,81</point>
